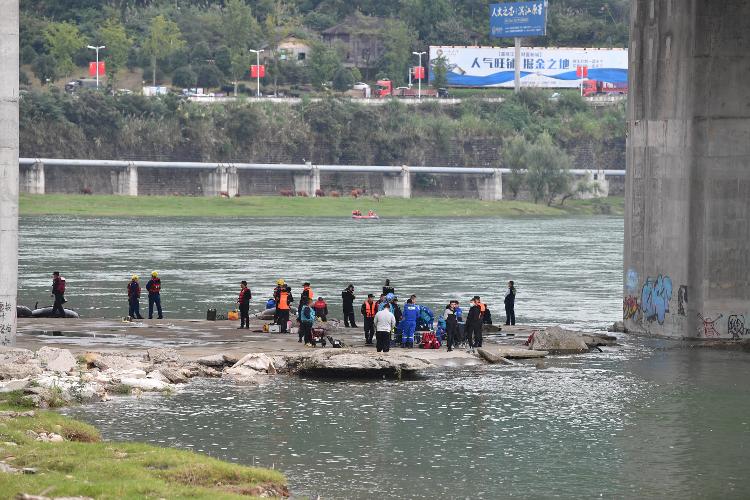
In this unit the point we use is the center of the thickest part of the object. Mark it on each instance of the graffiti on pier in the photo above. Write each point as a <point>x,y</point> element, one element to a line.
<point>708,328</point>
<point>736,326</point>
<point>6,311</point>
<point>655,297</point>
<point>631,281</point>
<point>629,307</point>
<point>682,299</point>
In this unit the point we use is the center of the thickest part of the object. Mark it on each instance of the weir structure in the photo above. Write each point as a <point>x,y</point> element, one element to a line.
<point>687,223</point>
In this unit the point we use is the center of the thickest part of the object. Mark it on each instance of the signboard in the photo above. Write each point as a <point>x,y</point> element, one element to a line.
<point>540,66</point>
<point>418,72</point>
<point>518,19</point>
<point>257,71</point>
<point>582,71</point>
<point>93,67</point>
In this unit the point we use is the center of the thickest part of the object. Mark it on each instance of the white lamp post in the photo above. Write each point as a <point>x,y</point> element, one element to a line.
<point>97,49</point>
<point>421,74</point>
<point>257,68</point>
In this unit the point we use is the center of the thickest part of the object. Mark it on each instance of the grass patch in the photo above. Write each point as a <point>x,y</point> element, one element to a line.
<point>83,465</point>
<point>277,206</point>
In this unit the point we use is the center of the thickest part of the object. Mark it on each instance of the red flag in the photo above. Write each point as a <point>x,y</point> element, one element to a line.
<point>582,71</point>
<point>92,68</point>
<point>258,71</point>
<point>418,72</point>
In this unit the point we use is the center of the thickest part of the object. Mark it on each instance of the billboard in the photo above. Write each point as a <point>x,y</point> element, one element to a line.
<point>540,66</point>
<point>517,19</point>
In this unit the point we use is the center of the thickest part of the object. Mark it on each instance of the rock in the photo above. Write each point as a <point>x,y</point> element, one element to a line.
<point>55,438</point>
<point>14,371</point>
<point>118,362</point>
<point>509,352</point>
<point>15,355</point>
<point>56,360</point>
<point>14,385</point>
<point>492,358</point>
<point>491,328</point>
<point>130,373</point>
<point>256,361</point>
<point>7,469</point>
<point>16,414</point>
<point>599,339</point>
<point>346,363</point>
<point>230,359</point>
<point>557,340</point>
<point>216,360</point>
<point>29,470</point>
<point>145,384</point>
<point>157,375</point>
<point>174,375</point>
<point>160,355</point>
<point>243,375</point>
<point>617,327</point>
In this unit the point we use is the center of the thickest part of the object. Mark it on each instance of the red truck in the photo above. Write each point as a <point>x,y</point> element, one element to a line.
<point>385,89</point>
<point>597,87</point>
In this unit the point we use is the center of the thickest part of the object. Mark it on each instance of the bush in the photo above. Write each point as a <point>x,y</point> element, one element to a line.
<point>209,75</point>
<point>184,77</point>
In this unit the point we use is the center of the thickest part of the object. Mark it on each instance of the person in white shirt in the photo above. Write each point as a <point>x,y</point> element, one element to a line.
<point>385,322</point>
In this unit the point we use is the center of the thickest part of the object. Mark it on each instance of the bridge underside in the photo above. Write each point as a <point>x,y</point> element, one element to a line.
<point>687,225</point>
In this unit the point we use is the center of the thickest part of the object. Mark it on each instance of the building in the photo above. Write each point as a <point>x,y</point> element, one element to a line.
<point>361,39</point>
<point>292,48</point>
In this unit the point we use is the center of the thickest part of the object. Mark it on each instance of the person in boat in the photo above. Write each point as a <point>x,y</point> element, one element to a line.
<point>387,288</point>
<point>369,309</point>
<point>154,295</point>
<point>244,302</point>
<point>134,298</point>
<point>370,213</point>
<point>321,309</point>
<point>347,299</point>
<point>58,292</point>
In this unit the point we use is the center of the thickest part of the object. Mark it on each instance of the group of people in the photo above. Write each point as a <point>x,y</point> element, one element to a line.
<point>153,287</point>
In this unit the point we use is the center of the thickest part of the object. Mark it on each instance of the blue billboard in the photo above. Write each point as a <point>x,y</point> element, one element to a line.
<point>518,19</point>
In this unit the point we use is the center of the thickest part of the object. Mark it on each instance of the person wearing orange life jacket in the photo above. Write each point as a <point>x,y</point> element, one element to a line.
<point>244,302</point>
<point>134,298</point>
<point>369,310</point>
<point>321,309</point>
<point>283,297</point>
<point>474,322</point>
<point>58,292</point>
<point>306,293</point>
<point>154,295</point>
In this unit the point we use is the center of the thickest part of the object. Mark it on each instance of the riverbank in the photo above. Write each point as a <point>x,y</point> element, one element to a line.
<point>277,206</point>
<point>44,453</point>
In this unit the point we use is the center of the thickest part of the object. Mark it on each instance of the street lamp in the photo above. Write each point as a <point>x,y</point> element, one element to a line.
<point>97,60</point>
<point>257,68</point>
<point>420,54</point>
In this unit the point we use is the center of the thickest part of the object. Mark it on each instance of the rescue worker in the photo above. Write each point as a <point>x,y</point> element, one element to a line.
<point>384,323</point>
<point>369,310</point>
<point>283,298</point>
<point>58,292</point>
<point>474,323</point>
<point>510,304</point>
<point>409,323</point>
<point>306,320</point>
<point>244,303</point>
<point>134,298</point>
<point>306,293</point>
<point>396,310</point>
<point>451,324</point>
<point>347,299</point>
<point>279,286</point>
<point>387,288</point>
<point>321,309</point>
<point>154,295</point>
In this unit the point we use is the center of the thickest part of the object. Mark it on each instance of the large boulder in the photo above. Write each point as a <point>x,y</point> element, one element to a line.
<point>557,340</point>
<point>159,355</point>
<point>492,358</point>
<point>214,361</point>
<point>256,361</point>
<point>174,375</point>
<point>119,362</point>
<point>510,352</point>
<point>347,363</point>
<point>18,364</point>
<point>244,375</point>
<point>145,384</point>
<point>56,360</point>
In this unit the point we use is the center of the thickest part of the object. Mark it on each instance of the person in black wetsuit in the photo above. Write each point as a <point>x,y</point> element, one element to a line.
<point>387,288</point>
<point>510,304</point>
<point>244,302</point>
<point>347,299</point>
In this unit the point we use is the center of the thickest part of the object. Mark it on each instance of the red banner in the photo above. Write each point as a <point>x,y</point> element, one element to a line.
<point>92,68</point>
<point>258,71</point>
<point>582,71</point>
<point>418,72</point>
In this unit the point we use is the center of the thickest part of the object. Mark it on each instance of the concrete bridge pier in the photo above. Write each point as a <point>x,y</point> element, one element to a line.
<point>32,178</point>
<point>125,181</point>
<point>490,187</point>
<point>397,185</point>
<point>687,195</point>
<point>308,181</point>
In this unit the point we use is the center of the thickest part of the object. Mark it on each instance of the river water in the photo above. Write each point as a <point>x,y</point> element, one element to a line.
<point>649,419</point>
<point>567,270</point>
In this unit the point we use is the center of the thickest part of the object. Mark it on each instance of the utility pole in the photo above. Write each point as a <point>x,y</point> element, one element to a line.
<point>518,65</point>
<point>257,69</point>
<point>8,172</point>
<point>97,49</point>
<point>421,73</point>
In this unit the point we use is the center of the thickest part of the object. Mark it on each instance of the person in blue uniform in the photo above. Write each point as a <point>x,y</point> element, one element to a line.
<point>154,295</point>
<point>134,298</point>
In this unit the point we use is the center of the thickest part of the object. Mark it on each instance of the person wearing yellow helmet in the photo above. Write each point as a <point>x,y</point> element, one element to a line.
<point>134,298</point>
<point>283,297</point>
<point>154,295</point>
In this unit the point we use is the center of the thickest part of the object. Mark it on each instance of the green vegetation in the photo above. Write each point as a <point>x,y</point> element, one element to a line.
<point>83,465</point>
<point>277,206</point>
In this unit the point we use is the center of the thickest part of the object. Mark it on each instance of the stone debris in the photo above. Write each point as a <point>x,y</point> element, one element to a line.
<point>216,360</point>
<point>56,360</point>
<point>14,385</point>
<point>557,340</point>
<point>510,352</point>
<point>7,469</point>
<point>46,437</point>
<point>492,358</point>
<point>340,362</point>
<point>16,414</point>
<point>159,355</point>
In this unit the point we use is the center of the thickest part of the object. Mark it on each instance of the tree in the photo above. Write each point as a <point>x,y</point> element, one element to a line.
<point>343,79</point>
<point>323,63</point>
<point>44,68</point>
<point>440,73</point>
<point>514,157</point>
<point>184,76</point>
<point>279,23</point>
<point>399,40</point>
<point>242,32</point>
<point>164,38</point>
<point>113,36</point>
<point>548,174</point>
<point>63,40</point>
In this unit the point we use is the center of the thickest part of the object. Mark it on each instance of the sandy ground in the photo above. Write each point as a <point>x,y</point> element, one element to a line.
<point>196,338</point>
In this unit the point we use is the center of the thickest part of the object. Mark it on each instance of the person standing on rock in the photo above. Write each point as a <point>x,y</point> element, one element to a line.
<point>154,295</point>
<point>347,299</point>
<point>451,324</point>
<point>58,292</point>
<point>474,323</point>
<point>134,298</point>
<point>384,323</point>
<point>409,323</point>
<point>244,302</point>
<point>369,310</point>
<point>510,304</point>
<point>306,320</point>
<point>283,297</point>
<point>387,288</point>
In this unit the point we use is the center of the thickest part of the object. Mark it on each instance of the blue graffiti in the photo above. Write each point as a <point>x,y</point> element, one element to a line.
<point>655,297</point>
<point>632,280</point>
